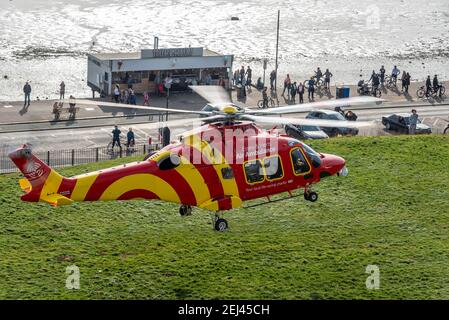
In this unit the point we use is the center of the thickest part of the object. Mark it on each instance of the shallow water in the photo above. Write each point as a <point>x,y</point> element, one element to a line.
<point>46,41</point>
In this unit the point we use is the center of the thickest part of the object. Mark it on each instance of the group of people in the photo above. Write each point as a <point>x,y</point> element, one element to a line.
<point>433,85</point>
<point>130,140</point>
<point>128,96</point>
<point>27,93</point>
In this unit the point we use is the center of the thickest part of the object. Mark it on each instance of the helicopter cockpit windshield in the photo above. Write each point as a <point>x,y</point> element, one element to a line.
<point>313,155</point>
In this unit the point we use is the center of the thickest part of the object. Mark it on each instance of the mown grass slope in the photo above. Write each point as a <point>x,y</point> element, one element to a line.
<point>392,211</point>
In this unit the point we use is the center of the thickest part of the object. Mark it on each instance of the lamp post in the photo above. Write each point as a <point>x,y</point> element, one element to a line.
<point>277,50</point>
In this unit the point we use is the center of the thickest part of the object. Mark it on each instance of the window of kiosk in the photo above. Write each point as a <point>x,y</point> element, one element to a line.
<point>273,168</point>
<point>299,162</point>
<point>253,171</point>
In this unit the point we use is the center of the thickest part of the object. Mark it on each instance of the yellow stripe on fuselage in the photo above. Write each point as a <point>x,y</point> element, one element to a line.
<point>52,183</point>
<point>83,185</point>
<point>195,180</point>
<point>141,181</point>
<point>216,158</point>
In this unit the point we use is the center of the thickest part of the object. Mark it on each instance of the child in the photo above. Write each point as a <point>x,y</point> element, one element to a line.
<point>146,99</point>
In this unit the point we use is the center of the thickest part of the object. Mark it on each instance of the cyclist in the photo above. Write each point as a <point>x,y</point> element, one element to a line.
<point>130,137</point>
<point>327,79</point>
<point>436,85</point>
<point>265,98</point>
<point>116,137</point>
<point>395,73</point>
<point>428,86</point>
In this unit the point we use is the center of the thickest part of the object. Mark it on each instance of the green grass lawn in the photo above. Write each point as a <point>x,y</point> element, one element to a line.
<point>392,211</point>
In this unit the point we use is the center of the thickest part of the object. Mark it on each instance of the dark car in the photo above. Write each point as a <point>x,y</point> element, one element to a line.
<point>332,115</point>
<point>401,123</point>
<point>304,132</point>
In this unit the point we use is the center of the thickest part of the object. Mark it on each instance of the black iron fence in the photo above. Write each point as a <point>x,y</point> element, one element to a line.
<point>71,157</point>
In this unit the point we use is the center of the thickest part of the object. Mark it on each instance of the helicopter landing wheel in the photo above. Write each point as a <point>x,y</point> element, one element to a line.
<point>221,225</point>
<point>311,196</point>
<point>185,210</point>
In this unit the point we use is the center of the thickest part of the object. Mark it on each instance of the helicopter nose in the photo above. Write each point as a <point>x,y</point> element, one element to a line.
<point>334,165</point>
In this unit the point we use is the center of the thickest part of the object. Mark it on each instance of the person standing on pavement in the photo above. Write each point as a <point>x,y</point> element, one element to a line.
<point>407,82</point>
<point>293,90</point>
<point>287,83</point>
<point>327,79</point>
<point>428,86</point>
<point>301,92</point>
<point>249,74</point>
<point>117,93</point>
<point>382,75</point>
<point>130,138</point>
<point>242,74</point>
<point>311,89</point>
<point>413,122</point>
<point>265,98</point>
<point>27,92</point>
<point>61,90</point>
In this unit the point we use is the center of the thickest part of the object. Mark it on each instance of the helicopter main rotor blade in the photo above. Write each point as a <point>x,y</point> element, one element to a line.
<point>308,122</point>
<point>329,104</point>
<point>130,106</point>
<point>213,94</point>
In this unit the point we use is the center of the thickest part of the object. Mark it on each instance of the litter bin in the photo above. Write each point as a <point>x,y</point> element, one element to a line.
<point>342,92</point>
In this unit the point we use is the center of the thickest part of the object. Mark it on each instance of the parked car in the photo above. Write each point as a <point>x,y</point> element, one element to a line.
<point>332,115</point>
<point>304,132</point>
<point>400,122</point>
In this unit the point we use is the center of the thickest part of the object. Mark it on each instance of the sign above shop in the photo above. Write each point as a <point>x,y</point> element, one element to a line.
<point>172,52</point>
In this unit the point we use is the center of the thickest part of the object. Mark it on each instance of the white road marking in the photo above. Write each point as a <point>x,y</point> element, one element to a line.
<point>8,106</point>
<point>89,109</point>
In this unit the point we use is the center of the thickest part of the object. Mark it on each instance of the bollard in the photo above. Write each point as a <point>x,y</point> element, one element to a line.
<point>96,154</point>
<point>73,157</point>
<point>48,158</point>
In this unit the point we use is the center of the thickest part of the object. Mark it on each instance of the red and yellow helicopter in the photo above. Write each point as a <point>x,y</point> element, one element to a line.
<point>217,166</point>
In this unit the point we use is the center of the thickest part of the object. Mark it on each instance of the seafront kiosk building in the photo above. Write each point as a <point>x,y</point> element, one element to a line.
<point>145,70</point>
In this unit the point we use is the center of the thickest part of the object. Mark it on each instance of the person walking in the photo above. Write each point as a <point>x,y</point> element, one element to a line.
<point>301,92</point>
<point>117,93</point>
<point>265,97</point>
<point>272,79</point>
<point>146,99</point>
<point>61,90</point>
<point>311,89</point>
<point>116,137</point>
<point>407,82</point>
<point>413,122</point>
<point>27,92</point>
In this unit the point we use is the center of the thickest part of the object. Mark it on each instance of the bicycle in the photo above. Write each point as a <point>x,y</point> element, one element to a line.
<point>390,82</point>
<point>320,84</point>
<point>446,131</point>
<point>270,103</point>
<point>422,92</point>
<point>110,149</point>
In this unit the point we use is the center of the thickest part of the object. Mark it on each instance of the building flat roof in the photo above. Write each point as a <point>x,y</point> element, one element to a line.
<point>138,55</point>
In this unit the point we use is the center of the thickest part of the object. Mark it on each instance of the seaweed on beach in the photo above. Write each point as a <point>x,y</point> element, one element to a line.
<point>44,52</point>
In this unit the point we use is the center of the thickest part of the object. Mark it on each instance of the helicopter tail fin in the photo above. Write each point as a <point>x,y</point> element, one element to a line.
<point>41,183</point>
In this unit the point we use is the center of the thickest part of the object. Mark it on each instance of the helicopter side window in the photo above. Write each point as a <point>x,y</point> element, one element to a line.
<point>253,171</point>
<point>300,164</point>
<point>227,173</point>
<point>273,168</point>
